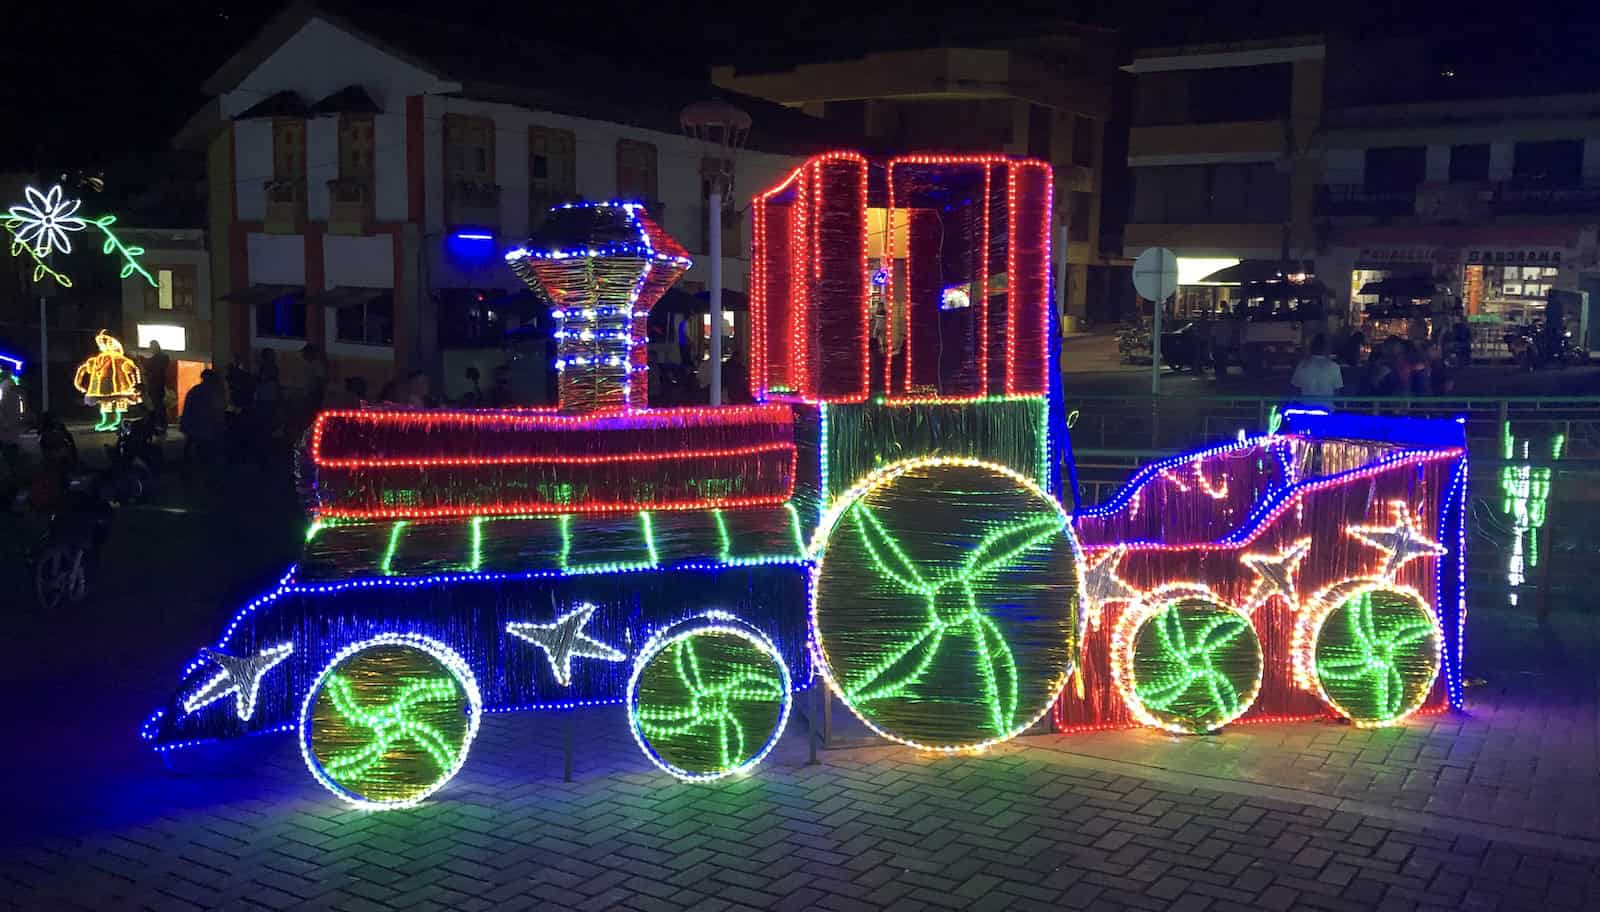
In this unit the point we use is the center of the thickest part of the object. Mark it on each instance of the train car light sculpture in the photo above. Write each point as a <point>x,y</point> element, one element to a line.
<point>887,518</point>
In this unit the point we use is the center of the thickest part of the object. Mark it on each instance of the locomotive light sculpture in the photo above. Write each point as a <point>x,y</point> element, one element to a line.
<point>887,518</point>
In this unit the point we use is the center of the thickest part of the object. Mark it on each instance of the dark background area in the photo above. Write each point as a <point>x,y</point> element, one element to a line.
<point>103,87</point>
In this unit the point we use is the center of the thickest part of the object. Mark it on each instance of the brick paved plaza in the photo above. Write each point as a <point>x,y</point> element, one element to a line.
<point>1494,809</point>
<point>1486,811</point>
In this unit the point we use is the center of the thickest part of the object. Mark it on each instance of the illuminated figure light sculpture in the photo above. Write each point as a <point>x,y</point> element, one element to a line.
<point>889,520</point>
<point>108,380</point>
<point>603,265</point>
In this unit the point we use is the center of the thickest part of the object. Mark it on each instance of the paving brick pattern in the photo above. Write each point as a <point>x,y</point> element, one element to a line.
<point>1022,826</point>
<point>1525,755</point>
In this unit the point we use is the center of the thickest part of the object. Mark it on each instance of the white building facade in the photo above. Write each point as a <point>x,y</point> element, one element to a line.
<point>361,199</point>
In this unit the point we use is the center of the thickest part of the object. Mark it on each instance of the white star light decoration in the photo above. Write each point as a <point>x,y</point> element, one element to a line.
<point>239,676</point>
<point>1275,574</point>
<point>563,638</point>
<point>1401,542</point>
<point>43,222</point>
<point>1102,585</point>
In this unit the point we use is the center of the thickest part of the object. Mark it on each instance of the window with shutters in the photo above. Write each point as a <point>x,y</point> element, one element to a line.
<point>636,170</point>
<point>552,170</point>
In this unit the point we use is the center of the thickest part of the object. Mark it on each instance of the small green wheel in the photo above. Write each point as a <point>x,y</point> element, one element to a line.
<point>1376,652</point>
<point>1186,661</point>
<point>709,697</point>
<point>389,720</point>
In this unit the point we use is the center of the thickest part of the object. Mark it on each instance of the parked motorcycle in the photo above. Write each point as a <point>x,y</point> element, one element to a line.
<point>1539,345</point>
<point>79,506</point>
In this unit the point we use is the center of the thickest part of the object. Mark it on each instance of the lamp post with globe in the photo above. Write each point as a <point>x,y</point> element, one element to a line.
<point>723,130</point>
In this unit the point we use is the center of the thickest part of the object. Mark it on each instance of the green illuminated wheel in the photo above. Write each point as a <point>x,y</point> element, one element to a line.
<point>389,720</point>
<point>1187,662</point>
<point>709,697</point>
<point>945,609</point>
<point>1376,652</point>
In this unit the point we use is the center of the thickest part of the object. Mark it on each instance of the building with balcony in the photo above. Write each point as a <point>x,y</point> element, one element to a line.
<point>1047,96</point>
<point>367,173</point>
<point>1491,202</point>
<point>1220,151</point>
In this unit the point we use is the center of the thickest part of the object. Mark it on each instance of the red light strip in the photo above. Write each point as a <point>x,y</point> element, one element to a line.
<point>983,288</point>
<point>465,461</point>
<point>1047,249</point>
<point>758,298</point>
<point>545,510</point>
<point>640,419</point>
<point>1011,281</point>
<point>866,292</point>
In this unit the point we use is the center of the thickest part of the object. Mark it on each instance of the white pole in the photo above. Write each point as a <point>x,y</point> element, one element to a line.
<point>1155,352</point>
<point>44,360</point>
<point>714,204</point>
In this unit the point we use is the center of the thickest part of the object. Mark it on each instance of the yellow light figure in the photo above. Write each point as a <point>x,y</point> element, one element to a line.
<point>109,380</point>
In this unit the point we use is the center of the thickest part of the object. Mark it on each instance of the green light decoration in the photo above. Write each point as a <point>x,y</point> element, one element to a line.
<point>1377,654</point>
<point>1525,493</point>
<point>1195,666</point>
<point>41,225</point>
<point>390,720</point>
<point>709,698</point>
<point>946,607</point>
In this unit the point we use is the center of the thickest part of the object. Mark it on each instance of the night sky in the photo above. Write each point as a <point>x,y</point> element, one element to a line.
<point>106,87</point>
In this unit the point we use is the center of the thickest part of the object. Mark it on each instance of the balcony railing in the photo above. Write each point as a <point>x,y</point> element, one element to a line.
<point>1528,197</point>
<point>286,204</point>
<point>1355,199</point>
<point>472,202</point>
<point>350,204</point>
<point>1460,201</point>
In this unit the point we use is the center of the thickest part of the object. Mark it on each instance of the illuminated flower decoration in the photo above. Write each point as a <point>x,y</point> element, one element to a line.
<point>43,222</point>
<point>1196,665</point>
<point>709,698</point>
<point>1377,655</point>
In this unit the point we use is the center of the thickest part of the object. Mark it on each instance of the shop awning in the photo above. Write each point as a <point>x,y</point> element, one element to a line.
<point>260,294</point>
<point>1249,271</point>
<point>346,295</point>
<point>1405,287</point>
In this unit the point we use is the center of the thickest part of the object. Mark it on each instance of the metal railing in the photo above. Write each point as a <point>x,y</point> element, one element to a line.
<point>1530,550</point>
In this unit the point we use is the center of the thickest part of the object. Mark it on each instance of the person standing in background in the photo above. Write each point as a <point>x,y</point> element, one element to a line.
<point>155,384</point>
<point>1317,376</point>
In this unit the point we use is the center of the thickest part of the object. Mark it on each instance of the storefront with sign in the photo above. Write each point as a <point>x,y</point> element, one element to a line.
<point>1496,276</point>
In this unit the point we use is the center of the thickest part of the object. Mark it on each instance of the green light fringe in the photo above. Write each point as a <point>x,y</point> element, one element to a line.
<point>130,262</point>
<point>1193,662</point>
<point>1013,432</point>
<point>386,568</point>
<point>699,714</point>
<point>388,723</point>
<point>40,268</point>
<point>1373,655</point>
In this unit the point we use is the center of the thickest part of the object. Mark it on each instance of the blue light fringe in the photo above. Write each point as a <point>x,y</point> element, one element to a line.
<point>1453,508</point>
<point>148,730</point>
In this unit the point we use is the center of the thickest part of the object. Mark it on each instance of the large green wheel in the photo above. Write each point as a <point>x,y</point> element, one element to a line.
<point>945,611</point>
<point>1376,652</point>
<point>389,720</point>
<point>1187,662</point>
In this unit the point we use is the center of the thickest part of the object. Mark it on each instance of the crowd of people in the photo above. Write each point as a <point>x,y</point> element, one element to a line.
<point>1394,367</point>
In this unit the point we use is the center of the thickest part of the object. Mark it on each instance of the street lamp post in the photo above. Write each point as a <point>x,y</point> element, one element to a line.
<point>723,129</point>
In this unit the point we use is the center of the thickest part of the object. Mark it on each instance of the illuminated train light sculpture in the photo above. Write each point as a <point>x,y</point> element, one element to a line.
<point>887,517</point>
